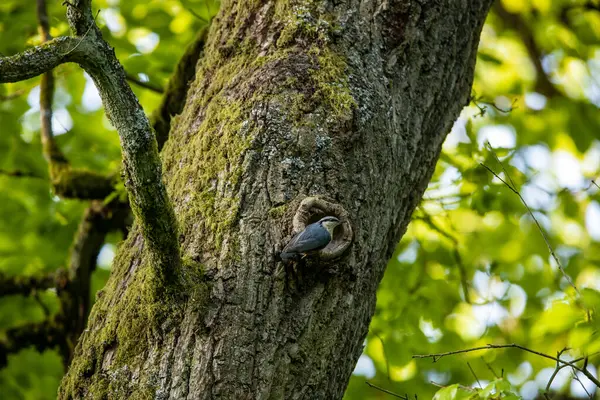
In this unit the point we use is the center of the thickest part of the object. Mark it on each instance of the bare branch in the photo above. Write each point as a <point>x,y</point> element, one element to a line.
<point>478,101</point>
<point>490,368</point>
<point>456,253</point>
<point>556,370</point>
<point>142,167</point>
<point>437,356</point>
<point>405,397</point>
<point>576,378</point>
<point>475,376</point>
<point>513,188</point>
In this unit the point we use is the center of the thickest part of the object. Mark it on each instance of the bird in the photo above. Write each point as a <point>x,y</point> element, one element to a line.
<point>313,238</point>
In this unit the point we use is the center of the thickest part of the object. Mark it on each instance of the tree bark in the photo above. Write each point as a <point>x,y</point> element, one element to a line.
<point>346,100</point>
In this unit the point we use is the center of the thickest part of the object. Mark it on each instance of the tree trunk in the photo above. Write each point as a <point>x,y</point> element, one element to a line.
<point>348,101</point>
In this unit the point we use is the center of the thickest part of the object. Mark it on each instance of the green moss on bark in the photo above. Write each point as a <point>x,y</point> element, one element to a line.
<point>329,71</point>
<point>123,330</point>
<point>331,80</point>
<point>277,212</point>
<point>217,147</point>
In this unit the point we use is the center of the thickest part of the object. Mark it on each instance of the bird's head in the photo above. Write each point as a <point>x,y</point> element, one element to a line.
<point>329,223</point>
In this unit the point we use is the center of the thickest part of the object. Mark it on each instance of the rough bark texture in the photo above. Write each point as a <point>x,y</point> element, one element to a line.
<point>350,100</point>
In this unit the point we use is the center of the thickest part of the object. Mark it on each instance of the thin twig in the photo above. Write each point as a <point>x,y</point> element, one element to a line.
<point>576,378</point>
<point>584,367</point>
<point>387,361</point>
<point>84,35</point>
<point>512,187</point>
<point>438,356</point>
<point>457,257</point>
<point>490,368</point>
<point>483,109</point>
<point>473,372</point>
<point>405,397</point>
<point>43,306</point>
<point>20,174</point>
<point>467,388</point>
<point>556,370</point>
<point>195,14</point>
<point>146,85</point>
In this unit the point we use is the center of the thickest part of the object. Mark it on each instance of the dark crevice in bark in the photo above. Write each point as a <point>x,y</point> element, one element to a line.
<point>176,92</point>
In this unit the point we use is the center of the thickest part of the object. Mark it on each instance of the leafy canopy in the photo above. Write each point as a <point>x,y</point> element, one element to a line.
<point>473,269</point>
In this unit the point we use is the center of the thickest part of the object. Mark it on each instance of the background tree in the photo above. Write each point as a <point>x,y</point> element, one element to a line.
<point>473,268</point>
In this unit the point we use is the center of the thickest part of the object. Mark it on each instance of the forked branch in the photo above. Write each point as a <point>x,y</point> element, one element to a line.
<point>142,168</point>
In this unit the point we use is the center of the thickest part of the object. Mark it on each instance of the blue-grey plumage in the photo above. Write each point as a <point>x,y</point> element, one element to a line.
<point>312,239</point>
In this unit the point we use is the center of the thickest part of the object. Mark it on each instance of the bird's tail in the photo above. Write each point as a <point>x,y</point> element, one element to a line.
<point>289,256</point>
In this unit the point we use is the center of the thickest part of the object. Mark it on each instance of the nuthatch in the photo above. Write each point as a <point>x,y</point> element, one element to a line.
<point>312,239</point>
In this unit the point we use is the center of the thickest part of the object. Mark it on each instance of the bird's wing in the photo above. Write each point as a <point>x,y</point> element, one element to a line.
<point>303,242</point>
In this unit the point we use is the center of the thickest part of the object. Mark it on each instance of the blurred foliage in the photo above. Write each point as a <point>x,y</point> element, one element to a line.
<point>473,267</point>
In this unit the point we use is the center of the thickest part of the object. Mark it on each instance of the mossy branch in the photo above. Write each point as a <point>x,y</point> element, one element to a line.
<point>66,181</point>
<point>142,167</point>
<point>82,184</point>
<point>44,335</point>
<point>42,58</point>
<point>25,285</point>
